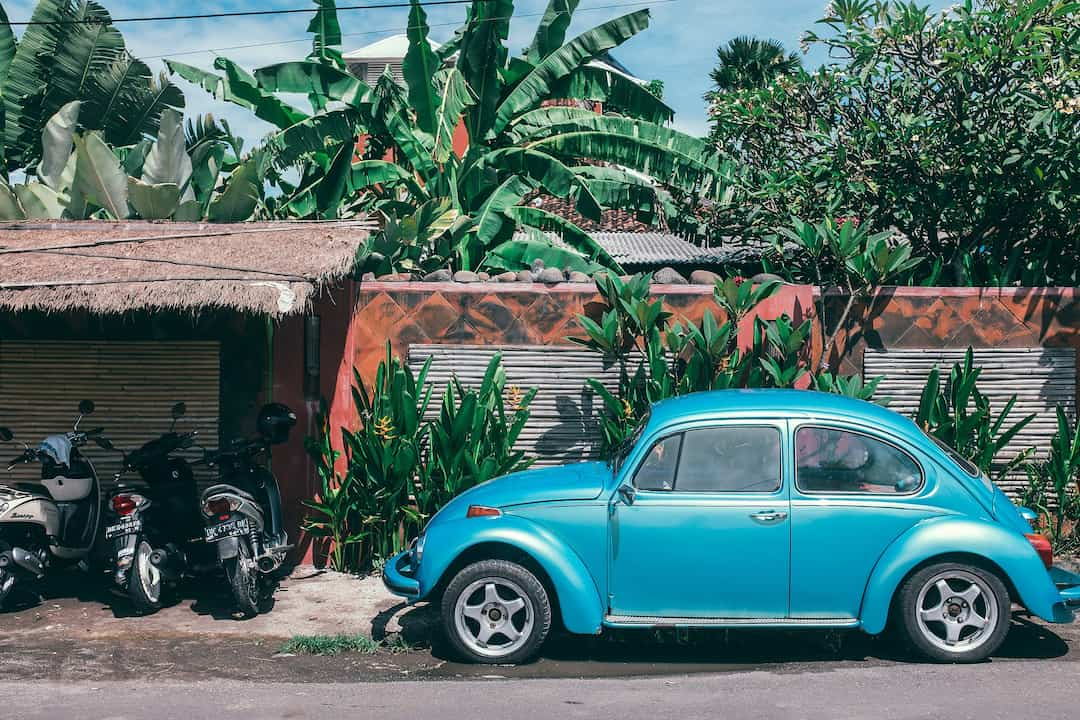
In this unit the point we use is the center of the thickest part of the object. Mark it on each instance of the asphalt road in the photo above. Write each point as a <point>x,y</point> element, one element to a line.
<point>992,690</point>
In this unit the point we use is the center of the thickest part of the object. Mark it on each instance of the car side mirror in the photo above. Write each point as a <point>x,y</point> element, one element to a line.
<point>6,434</point>
<point>179,410</point>
<point>627,494</point>
<point>86,407</point>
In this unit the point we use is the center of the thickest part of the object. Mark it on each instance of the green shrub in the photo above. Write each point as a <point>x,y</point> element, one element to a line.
<point>1053,487</point>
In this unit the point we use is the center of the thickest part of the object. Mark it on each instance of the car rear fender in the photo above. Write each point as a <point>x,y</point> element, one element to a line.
<point>936,537</point>
<point>575,588</point>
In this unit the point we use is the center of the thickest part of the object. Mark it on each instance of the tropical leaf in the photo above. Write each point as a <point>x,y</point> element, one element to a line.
<point>570,233</point>
<point>56,143</point>
<point>519,253</point>
<point>326,32</point>
<point>548,172</point>
<point>454,98</point>
<point>482,56</point>
<point>137,110</point>
<point>9,204</point>
<point>617,188</point>
<point>242,193</point>
<point>153,201</point>
<point>239,88</point>
<point>368,173</point>
<point>599,84</point>
<point>99,179</point>
<point>538,85</point>
<point>551,32</point>
<point>7,46</point>
<point>419,68</point>
<point>40,202</point>
<point>168,161</point>
<point>334,184</point>
<point>313,78</point>
<point>491,217</point>
<point>321,133</point>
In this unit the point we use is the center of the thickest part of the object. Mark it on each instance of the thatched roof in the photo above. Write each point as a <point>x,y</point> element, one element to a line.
<point>114,267</point>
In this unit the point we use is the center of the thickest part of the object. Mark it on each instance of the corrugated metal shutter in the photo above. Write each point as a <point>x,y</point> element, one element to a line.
<point>133,383</point>
<point>1041,378</point>
<point>563,425</point>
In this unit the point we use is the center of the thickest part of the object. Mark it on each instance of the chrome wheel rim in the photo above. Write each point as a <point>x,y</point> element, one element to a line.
<point>494,617</point>
<point>148,575</point>
<point>956,611</point>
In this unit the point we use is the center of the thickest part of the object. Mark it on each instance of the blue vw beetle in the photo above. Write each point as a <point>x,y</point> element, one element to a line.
<point>740,508</point>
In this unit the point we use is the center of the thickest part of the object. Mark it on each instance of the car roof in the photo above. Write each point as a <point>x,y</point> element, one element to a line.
<point>779,403</point>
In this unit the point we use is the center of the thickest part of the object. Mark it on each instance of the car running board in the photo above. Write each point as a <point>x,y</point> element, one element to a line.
<point>668,622</point>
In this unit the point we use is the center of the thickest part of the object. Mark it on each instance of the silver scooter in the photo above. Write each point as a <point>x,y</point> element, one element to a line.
<point>53,522</point>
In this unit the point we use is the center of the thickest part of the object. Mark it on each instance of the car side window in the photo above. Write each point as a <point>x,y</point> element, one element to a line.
<point>657,470</point>
<point>832,460</point>
<point>729,459</point>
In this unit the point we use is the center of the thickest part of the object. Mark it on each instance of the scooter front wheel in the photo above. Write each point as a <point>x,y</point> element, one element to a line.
<point>144,581</point>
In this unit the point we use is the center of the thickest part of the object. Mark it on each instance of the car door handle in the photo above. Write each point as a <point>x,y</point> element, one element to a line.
<point>767,516</point>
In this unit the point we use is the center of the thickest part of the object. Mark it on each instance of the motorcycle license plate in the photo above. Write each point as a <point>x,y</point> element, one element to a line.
<point>232,528</point>
<point>128,526</point>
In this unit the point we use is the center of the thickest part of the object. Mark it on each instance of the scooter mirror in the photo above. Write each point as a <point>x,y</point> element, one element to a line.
<point>86,407</point>
<point>179,410</point>
<point>6,434</point>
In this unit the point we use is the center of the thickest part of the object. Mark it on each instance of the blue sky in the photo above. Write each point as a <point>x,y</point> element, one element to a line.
<point>679,47</point>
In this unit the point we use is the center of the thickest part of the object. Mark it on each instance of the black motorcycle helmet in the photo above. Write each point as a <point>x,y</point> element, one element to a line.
<point>274,422</point>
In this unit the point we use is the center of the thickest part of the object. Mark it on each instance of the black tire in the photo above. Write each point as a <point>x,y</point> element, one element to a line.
<point>973,644</point>
<point>244,581</point>
<point>536,607</point>
<point>142,600</point>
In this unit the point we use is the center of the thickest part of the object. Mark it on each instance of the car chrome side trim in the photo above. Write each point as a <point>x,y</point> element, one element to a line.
<point>646,621</point>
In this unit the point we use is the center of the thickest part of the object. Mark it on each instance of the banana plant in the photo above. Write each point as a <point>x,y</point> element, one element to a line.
<point>70,52</point>
<point>81,176</point>
<point>517,146</point>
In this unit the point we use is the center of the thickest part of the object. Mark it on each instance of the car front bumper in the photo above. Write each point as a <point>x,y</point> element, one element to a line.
<point>398,576</point>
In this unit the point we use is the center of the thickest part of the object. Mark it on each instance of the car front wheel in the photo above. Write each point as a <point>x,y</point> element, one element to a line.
<point>954,613</point>
<point>496,611</point>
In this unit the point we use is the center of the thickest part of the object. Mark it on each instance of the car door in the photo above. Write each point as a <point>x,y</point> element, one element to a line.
<point>702,531</point>
<point>855,491</point>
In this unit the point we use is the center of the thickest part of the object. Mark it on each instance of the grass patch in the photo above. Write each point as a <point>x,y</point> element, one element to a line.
<point>342,643</point>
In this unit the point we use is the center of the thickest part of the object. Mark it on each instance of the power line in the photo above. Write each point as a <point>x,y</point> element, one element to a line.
<point>591,8</point>
<point>234,13</point>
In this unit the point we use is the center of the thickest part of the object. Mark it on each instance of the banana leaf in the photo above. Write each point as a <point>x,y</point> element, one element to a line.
<point>367,173</point>
<point>570,233</point>
<point>27,76</point>
<point>56,143</point>
<point>539,85</point>
<point>7,46</point>
<point>315,134</point>
<point>138,112</point>
<point>491,217</point>
<point>326,33</point>
<point>168,161</point>
<point>454,97</point>
<point>9,204</point>
<point>333,186</point>
<point>551,32</point>
<point>313,78</point>
<point>40,202</point>
<point>482,55</point>
<point>237,87</point>
<point>549,173</point>
<point>153,201</point>
<point>520,254</point>
<point>242,192</point>
<point>613,88</point>
<point>419,68</point>
<point>99,179</point>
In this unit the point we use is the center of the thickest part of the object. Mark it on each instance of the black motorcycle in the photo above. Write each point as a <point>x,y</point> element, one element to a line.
<point>155,526</point>
<point>243,512</point>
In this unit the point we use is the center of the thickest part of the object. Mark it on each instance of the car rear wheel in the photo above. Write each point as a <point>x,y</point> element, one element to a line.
<point>495,611</point>
<point>954,613</point>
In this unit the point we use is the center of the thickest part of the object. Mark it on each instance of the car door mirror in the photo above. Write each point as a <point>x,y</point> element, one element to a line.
<point>627,494</point>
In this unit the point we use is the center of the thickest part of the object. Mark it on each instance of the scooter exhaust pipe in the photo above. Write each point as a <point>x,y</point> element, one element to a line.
<point>268,564</point>
<point>27,562</point>
<point>159,558</point>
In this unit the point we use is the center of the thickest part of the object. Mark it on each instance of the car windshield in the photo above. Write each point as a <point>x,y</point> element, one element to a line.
<point>623,450</point>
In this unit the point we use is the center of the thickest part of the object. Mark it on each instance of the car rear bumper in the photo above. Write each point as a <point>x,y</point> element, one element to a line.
<point>1068,585</point>
<point>398,576</point>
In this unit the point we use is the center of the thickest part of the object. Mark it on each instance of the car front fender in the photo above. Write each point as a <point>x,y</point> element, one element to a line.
<point>575,588</point>
<point>940,536</point>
